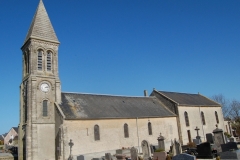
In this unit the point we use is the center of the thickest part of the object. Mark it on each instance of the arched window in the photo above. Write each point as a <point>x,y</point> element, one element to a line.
<point>40,55</point>
<point>126,135</point>
<point>45,108</point>
<point>149,128</point>
<point>203,118</point>
<point>216,115</point>
<point>49,61</point>
<point>96,133</point>
<point>186,118</point>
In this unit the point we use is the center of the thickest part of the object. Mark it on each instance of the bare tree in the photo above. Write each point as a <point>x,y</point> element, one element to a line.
<point>235,115</point>
<point>220,98</point>
<point>235,110</point>
<point>231,111</point>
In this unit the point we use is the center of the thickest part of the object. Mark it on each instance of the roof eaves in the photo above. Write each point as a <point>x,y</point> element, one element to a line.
<point>120,117</point>
<point>193,105</point>
<point>210,99</point>
<point>34,37</point>
<point>110,95</point>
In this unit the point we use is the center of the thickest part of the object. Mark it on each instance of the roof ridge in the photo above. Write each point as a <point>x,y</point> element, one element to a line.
<point>180,92</point>
<point>108,95</point>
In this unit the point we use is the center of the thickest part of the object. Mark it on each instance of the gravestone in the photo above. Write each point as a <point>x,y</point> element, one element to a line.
<point>159,155</point>
<point>161,144</point>
<point>196,141</point>
<point>108,156</point>
<point>81,157</point>
<point>145,149</point>
<point>230,155</point>
<point>152,148</point>
<point>204,150</point>
<point>209,137</point>
<point>218,138</point>
<point>232,139</point>
<point>120,157</point>
<point>123,151</point>
<point>184,156</point>
<point>229,146</point>
<point>134,153</point>
<point>176,147</point>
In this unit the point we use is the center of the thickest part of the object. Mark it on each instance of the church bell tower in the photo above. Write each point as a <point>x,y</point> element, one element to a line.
<point>40,89</point>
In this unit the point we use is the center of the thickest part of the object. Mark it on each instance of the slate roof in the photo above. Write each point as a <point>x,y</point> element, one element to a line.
<point>41,27</point>
<point>4,135</point>
<point>92,106</point>
<point>189,99</point>
<point>15,128</point>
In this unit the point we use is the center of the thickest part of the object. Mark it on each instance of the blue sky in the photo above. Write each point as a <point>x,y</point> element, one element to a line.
<point>123,47</point>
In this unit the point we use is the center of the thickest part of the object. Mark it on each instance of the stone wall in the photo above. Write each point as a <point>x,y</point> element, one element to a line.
<point>112,134</point>
<point>7,156</point>
<point>194,114</point>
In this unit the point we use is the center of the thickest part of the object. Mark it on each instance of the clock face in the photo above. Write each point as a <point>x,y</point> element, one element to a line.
<point>45,87</point>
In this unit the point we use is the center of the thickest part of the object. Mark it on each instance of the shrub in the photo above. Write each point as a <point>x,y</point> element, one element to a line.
<point>159,150</point>
<point>140,158</point>
<point>227,134</point>
<point>191,145</point>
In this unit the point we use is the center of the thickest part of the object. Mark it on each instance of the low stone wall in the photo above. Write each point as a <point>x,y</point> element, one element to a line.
<point>7,156</point>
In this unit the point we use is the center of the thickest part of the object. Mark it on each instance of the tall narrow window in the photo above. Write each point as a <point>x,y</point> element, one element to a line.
<point>126,134</point>
<point>49,61</point>
<point>96,133</point>
<point>203,118</point>
<point>40,55</point>
<point>216,115</point>
<point>45,108</point>
<point>149,128</point>
<point>189,136</point>
<point>186,118</point>
<point>26,60</point>
<point>25,95</point>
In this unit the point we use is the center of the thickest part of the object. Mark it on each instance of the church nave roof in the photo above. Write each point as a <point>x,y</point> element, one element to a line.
<point>90,106</point>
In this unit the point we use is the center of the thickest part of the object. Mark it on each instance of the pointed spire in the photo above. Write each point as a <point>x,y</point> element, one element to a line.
<point>41,27</point>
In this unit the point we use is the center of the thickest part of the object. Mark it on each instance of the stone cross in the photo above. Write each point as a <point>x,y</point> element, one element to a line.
<point>197,129</point>
<point>198,137</point>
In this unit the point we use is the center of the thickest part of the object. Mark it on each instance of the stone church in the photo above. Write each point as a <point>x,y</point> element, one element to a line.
<point>96,124</point>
